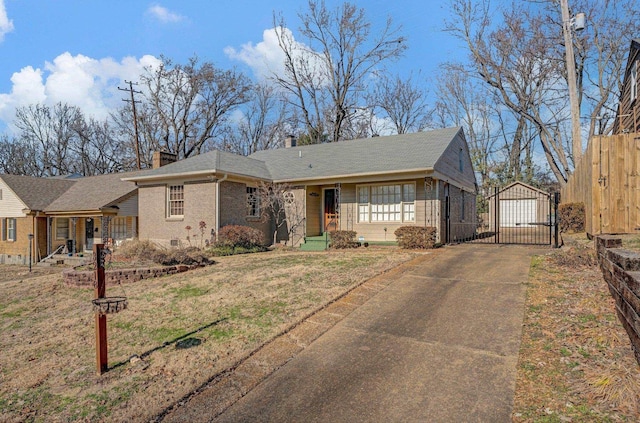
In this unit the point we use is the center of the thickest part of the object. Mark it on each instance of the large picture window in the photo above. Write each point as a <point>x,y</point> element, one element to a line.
<point>386,203</point>
<point>62,228</point>
<point>175,206</point>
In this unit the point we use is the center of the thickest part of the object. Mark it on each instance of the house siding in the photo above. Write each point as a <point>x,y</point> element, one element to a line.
<point>628,118</point>
<point>17,252</point>
<point>448,165</point>
<point>128,207</point>
<point>10,204</point>
<point>154,225</point>
<point>233,209</point>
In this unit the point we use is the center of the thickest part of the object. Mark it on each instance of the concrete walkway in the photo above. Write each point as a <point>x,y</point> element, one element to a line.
<point>438,344</point>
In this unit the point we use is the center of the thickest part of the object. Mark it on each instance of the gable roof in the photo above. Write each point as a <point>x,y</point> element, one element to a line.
<point>522,184</point>
<point>206,164</point>
<point>396,153</point>
<point>93,193</point>
<point>36,193</point>
<point>415,152</point>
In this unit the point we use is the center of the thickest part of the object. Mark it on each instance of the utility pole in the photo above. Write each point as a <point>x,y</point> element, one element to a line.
<point>567,24</point>
<point>135,117</point>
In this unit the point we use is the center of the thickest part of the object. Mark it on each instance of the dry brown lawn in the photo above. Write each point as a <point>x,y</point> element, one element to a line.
<point>180,330</point>
<point>575,362</point>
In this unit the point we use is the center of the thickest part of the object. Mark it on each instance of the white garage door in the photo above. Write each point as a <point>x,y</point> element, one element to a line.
<point>517,213</point>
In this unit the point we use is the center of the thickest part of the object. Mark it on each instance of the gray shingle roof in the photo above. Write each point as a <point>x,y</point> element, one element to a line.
<point>36,193</point>
<point>213,161</point>
<point>396,153</point>
<point>93,193</point>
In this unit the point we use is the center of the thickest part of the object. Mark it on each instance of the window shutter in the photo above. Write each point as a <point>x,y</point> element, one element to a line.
<point>4,229</point>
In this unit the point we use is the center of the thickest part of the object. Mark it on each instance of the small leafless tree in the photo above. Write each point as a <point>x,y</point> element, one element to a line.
<point>279,206</point>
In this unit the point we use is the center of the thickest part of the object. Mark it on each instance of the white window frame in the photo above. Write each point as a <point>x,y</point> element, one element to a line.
<point>634,81</point>
<point>253,202</point>
<point>8,228</point>
<point>175,201</point>
<point>12,229</point>
<point>386,203</point>
<point>58,227</point>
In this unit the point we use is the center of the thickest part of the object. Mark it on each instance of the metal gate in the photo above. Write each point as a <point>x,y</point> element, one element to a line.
<point>515,214</point>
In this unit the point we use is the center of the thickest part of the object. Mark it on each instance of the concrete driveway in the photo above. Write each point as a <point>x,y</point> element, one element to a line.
<point>438,344</point>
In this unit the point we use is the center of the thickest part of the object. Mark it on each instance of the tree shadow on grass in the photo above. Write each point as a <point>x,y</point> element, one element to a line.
<point>181,342</point>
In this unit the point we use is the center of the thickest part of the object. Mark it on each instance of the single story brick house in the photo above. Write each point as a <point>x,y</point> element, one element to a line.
<point>371,186</point>
<point>70,212</point>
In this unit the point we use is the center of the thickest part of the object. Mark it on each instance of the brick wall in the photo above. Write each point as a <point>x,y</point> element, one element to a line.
<point>114,277</point>
<point>621,271</point>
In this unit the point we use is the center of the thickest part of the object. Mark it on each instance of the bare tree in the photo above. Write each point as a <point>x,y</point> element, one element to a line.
<point>326,79</point>
<point>463,101</point>
<point>18,157</point>
<point>262,125</point>
<point>521,57</point>
<point>403,102</point>
<point>191,103</point>
<point>49,132</point>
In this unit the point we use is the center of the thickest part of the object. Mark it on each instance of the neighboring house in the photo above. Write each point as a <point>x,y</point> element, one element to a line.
<point>22,203</point>
<point>371,186</point>
<point>58,211</point>
<point>94,209</point>
<point>628,116</point>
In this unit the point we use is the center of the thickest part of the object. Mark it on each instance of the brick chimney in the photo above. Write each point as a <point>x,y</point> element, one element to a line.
<point>290,141</point>
<point>162,158</point>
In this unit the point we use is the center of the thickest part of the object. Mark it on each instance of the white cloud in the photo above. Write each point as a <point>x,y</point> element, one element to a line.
<point>90,84</point>
<point>266,58</point>
<point>163,14</point>
<point>6,24</point>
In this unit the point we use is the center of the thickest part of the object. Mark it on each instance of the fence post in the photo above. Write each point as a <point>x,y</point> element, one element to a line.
<point>101,319</point>
<point>556,200</point>
<point>496,215</point>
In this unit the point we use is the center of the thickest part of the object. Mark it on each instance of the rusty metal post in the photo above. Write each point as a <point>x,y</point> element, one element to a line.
<point>101,319</point>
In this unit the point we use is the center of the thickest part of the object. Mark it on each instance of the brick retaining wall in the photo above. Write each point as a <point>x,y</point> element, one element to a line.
<point>114,277</point>
<point>621,271</point>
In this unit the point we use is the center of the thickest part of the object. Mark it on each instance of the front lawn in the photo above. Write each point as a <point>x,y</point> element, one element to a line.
<point>180,330</point>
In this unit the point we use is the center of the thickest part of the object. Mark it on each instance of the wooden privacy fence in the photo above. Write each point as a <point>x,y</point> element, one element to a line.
<point>607,181</point>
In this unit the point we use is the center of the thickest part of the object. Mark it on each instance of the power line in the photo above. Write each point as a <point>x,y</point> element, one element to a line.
<point>135,117</point>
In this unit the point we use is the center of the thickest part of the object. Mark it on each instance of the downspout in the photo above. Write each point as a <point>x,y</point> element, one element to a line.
<point>218,182</point>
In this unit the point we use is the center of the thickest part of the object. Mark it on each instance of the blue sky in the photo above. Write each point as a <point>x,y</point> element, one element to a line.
<point>78,51</point>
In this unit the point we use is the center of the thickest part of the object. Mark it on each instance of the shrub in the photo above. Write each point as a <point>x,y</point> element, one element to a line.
<point>571,217</point>
<point>343,239</point>
<point>187,256</point>
<point>240,236</point>
<point>413,237</point>
<point>137,249</point>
